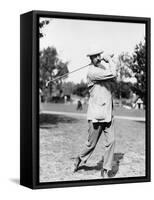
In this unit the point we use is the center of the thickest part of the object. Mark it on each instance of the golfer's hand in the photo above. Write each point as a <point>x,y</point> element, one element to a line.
<point>106,57</point>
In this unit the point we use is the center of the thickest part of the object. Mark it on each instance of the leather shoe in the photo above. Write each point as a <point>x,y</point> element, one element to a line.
<point>104,173</point>
<point>76,164</point>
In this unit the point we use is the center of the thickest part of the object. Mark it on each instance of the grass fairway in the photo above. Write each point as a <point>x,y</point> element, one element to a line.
<point>72,108</point>
<point>62,138</point>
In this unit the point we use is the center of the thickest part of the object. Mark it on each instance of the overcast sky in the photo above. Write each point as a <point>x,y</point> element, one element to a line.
<point>74,39</point>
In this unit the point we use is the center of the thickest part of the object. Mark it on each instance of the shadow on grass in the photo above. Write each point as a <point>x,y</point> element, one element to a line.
<point>141,122</point>
<point>116,163</point>
<point>115,167</point>
<point>91,168</point>
<point>48,120</point>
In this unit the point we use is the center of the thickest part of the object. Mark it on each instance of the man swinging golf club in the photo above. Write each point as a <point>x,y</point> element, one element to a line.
<point>100,76</point>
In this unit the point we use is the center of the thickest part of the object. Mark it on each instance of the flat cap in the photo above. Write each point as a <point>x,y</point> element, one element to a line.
<point>94,52</point>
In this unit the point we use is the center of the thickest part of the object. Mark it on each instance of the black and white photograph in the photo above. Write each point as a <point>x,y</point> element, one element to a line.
<point>92,99</point>
<point>76,100</point>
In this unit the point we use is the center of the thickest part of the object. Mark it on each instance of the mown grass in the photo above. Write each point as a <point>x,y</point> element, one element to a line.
<point>120,111</point>
<point>62,138</point>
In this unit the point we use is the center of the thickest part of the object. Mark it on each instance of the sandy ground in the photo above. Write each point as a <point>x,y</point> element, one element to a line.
<point>63,137</point>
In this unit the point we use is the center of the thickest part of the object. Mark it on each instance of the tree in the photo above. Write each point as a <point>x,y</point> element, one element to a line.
<point>51,67</point>
<point>81,89</point>
<point>139,69</point>
<point>42,23</point>
<point>123,90</point>
<point>123,65</point>
<point>124,71</point>
<point>68,88</point>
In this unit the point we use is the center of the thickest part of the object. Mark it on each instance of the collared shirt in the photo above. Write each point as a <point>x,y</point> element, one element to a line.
<point>100,101</point>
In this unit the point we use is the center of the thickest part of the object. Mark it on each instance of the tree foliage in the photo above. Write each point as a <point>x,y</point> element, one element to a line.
<point>41,25</point>
<point>51,67</point>
<point>123,65</point>
<point>81,89</point>
<point>68,88</point>
<point>139,69</point>
<point>122,90</point>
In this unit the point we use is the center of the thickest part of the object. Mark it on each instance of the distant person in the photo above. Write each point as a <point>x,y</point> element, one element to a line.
<point>40,99</point>
<point>79,105</point>
<point>100,78</point>
<point>65,99</point>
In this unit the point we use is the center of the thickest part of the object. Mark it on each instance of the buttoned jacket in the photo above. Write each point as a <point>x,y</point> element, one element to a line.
<point>100,101</point>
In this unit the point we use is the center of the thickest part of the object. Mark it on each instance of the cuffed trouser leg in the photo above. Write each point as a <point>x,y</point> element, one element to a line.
<point>109,134</point>
<point>95,130</point>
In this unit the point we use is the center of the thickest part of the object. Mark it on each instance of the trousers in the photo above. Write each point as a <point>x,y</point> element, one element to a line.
<point>95,131</point>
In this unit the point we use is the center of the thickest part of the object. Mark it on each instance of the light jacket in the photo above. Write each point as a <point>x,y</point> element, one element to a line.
<point>100,101</point>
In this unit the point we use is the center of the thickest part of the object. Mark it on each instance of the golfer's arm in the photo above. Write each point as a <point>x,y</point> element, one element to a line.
<point>98,74</point>
<point>112,67</point>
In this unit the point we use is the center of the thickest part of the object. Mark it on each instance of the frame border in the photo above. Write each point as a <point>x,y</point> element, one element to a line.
<point>30,176</point>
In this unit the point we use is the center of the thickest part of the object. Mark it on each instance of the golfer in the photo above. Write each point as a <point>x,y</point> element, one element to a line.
<point>100,76</point>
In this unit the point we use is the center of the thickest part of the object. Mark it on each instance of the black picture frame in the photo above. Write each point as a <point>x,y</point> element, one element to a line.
<point>29,101</point>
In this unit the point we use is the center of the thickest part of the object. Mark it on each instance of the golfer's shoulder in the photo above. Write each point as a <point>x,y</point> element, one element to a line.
<point>90,69</point>
<point>93,69</point>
